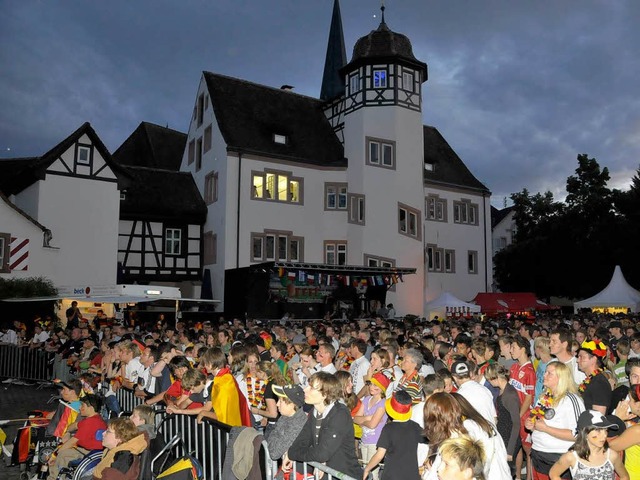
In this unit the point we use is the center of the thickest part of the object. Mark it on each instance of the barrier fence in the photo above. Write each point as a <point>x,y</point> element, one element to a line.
<point>26,363</point>
<point>207,441</point>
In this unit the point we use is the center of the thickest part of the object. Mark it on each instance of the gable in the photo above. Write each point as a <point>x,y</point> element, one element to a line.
<point>82,159</point>
<point>152,146</point>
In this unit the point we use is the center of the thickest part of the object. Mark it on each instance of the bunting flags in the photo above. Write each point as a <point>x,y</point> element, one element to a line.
<point>306,278</point>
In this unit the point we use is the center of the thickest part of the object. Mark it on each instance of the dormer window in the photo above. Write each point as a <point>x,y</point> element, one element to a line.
<point>429,167</point>
<point>281,139</point>
<point>84,155</point>
<point>380,78</point>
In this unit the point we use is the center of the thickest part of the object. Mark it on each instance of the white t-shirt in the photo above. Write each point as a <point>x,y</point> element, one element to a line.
<point>495,466</point>
<point>578,376</point>
<point>358,370</point>
<point>10,337</point>
<point>480,397</point>
<point>566,417</point>
<point>133,369</point>
<point>43,336</point>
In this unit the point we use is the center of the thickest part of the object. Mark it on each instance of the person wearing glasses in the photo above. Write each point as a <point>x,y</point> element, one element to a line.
<point>123,444</point>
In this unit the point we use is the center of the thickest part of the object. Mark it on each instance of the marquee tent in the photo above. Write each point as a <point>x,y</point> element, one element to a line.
<point>617,295</point>
<point>520,303</point>
<point>448,304</point>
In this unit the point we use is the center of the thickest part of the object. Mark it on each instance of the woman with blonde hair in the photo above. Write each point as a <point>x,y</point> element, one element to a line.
<point>462,459</point>
<point>553,419</point>
<point>270,374</point>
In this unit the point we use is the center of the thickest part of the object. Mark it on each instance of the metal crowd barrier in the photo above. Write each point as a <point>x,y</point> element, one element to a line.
<point>25,363</point>
<point>207,441</point>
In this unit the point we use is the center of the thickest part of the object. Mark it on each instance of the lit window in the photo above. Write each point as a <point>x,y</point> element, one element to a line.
<point>281,139</point>
<point>429,167</point>
<point>279,187</point>
<point>379,79</point>
<point>172,241</point>
<point>380,153</point>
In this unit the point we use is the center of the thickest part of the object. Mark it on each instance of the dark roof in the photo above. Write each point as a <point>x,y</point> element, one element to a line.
<point>153,146</point>
<point>162,195</point>
<point>498,215</point>
<point>19,173</point>
<point>336,58</point>
<point>249,115</point>
<point>448,168</point>
<point>383,44</point>
<point>23,213</point>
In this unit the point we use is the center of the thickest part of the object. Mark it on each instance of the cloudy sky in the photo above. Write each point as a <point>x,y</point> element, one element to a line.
<point>518,88</point>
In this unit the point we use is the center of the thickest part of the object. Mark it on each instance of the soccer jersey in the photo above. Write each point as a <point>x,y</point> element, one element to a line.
<point>523,379</point>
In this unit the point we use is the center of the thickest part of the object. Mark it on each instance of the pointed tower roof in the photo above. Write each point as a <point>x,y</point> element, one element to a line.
<point>332,81</point>
<point>383,44</point>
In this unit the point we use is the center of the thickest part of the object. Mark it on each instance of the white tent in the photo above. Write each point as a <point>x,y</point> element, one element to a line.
<point>618,294</point>
<point>448,301</point>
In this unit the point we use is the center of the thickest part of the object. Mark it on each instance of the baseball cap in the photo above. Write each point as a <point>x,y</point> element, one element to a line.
<point>73,384</point>
<point>460,368</point>
<point>592,418</point>
<point>615,324</point>
<point>293,392</point>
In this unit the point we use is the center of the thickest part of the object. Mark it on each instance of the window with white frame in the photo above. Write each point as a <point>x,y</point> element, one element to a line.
<point>407,81</point>
<point>208,133</point>
<point>173,241</point>
<point>409,221</point>
<point>472,261</point>
<point>210,248</point>
<point>276,186</point>
<point>354,83</point>
<point>198,154</point>
<point>276,246</point>
<point>5,240</point>
<point>379,78</point>
<point>381,153</point>
<point>465,212</point>
<point>335,196</point>
<point>356,208</point>
<point>335,252</point>
<point>436,208</point>
<point>374,261</point>
<point>211,188</point>
<point>84,155</point>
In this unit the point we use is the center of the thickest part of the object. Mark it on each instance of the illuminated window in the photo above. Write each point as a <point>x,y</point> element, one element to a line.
<point>281,139</point>
<point>276,186</point>
<point>380,78</point>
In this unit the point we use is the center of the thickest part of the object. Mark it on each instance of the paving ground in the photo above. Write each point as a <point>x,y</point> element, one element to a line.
<point>15,402</point>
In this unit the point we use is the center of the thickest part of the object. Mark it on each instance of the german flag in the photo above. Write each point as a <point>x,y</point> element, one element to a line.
<point>65,415</point>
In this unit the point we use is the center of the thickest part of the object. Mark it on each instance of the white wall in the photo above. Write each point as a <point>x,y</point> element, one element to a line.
<point>41,259</point>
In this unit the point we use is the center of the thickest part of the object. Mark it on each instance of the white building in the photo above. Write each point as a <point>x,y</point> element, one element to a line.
<point>353,178</point>
<point>503,228</point>
<point>59,212</point>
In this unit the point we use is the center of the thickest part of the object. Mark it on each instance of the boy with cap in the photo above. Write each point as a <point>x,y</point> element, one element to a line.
<point>291,421</point>
<point>398,443</point>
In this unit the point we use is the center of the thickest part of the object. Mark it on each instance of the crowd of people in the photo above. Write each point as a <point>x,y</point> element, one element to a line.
<point>377,398</point>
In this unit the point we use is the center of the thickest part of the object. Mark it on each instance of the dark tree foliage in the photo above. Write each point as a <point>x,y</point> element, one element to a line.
<point>571,249</point>
<point>26,287</point>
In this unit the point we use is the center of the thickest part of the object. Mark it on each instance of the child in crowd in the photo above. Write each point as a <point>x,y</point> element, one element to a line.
<point>144,417</point>
<point>123,445</point>
<point>462,459</point>
<point>590,457</point>
<point>373,417</point>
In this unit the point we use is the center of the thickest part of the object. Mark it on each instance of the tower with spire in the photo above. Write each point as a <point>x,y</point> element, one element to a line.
<point>378,118</point>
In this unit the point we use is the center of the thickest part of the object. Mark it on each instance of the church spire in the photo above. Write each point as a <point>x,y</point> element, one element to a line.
<point>332,81</point>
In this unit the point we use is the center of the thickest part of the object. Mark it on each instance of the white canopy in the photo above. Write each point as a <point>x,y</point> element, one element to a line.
<point>617,294</point>
<point>438,306</point>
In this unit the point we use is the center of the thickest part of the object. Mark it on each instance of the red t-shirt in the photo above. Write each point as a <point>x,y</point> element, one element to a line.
<point>523,379</point>
<point>86,433</point>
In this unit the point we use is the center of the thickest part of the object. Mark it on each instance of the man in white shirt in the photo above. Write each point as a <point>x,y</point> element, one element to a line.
<point>8,335</point>
<point>130,357</point>
<point>324,356</point>
<point>39,337</point>
<point>478,395</point>
<point>560,346</point>
<point>360,364</point>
